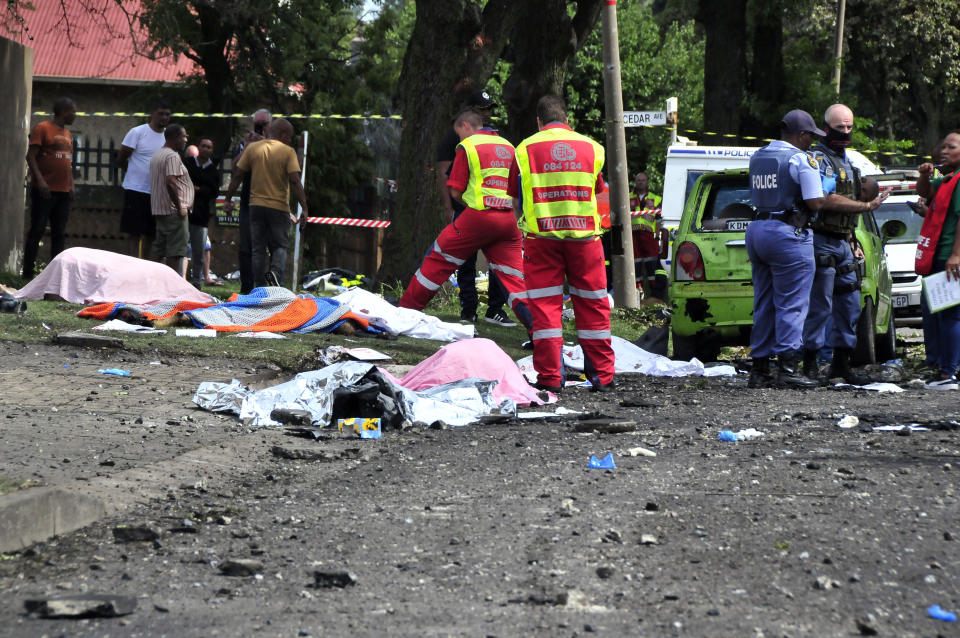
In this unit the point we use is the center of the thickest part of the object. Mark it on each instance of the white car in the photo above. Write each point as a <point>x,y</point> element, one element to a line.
<point>901,251</point>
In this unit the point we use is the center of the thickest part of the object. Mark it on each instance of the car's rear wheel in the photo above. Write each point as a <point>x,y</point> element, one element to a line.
<point>886,347</point>
<point>684,347</point>
<point>864,352</point>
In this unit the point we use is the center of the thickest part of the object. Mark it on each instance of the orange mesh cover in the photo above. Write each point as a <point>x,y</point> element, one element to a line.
<point>299,312</point>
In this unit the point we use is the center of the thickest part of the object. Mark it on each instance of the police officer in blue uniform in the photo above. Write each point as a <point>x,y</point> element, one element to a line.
<point>785,189</point>
<point>836,285</point>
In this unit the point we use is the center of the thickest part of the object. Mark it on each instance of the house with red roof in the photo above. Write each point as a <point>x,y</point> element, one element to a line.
<point>94,52</point>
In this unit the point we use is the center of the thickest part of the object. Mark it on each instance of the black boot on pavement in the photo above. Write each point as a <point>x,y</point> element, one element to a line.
<point>760,376</point>
<point>841,368</point>
<point>810,368</point>
<point>790,377</point>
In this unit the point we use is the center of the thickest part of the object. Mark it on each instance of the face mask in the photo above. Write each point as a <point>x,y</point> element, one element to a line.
<point>836,140</point>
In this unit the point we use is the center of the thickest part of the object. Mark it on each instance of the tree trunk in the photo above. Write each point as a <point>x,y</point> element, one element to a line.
<point>451,53</point>
<point>544,39</point>
<point>724,78</point>
<point>766,71</point>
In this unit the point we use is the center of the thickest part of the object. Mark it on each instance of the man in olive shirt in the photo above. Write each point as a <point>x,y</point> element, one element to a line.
<point>275,170</point>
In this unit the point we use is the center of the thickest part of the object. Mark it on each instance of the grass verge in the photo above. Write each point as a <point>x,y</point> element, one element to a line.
<point>45,319</point>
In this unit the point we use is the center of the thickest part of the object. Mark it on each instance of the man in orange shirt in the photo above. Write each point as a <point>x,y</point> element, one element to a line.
<point>51,182</point>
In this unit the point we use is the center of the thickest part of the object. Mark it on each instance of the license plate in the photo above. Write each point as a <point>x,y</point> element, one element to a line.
<point>901,301</point>
<point>737,224</point>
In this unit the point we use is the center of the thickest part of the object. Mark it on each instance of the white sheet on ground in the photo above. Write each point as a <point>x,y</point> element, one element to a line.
<point>632,358</point>
<point>404,321</point>
<point>85,275</point>
<point>118,325</point>
<point>456,403</point>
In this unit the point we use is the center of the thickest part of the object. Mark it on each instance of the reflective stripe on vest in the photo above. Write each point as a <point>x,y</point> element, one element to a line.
<point>558,173</point>
<point>489,158</point>
<point>645,221</point>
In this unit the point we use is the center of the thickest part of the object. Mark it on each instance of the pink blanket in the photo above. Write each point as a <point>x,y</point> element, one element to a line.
<point>85,275</point>
<point>481,358</point>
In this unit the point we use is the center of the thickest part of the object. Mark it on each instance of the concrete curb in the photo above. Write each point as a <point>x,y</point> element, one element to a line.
<point>37,514</point>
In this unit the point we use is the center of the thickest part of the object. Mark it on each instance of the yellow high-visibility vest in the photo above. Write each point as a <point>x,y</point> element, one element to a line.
<point>558,173</point>
<point>489,157</point>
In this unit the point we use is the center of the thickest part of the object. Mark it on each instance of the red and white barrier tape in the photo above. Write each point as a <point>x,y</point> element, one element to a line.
<point>646,211</point>
<point>389,182</point>
<point>349,221</point>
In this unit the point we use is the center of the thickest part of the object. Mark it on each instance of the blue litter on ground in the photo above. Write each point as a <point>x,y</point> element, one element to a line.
<point>116,372</point>
<point>936,611</point>
<point>727,435</point>
<point>606,463</point>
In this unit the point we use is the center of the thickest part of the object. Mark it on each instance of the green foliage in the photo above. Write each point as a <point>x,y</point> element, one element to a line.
<point>655,63</point>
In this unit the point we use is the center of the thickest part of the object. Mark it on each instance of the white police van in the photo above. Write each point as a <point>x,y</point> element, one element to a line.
<point>686,162</point>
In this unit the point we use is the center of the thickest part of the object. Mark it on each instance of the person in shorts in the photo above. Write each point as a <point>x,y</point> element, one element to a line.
<point>171,199</point>
<point>136,151</point>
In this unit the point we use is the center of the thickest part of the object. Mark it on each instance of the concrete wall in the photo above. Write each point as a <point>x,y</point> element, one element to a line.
<point>16,68</point>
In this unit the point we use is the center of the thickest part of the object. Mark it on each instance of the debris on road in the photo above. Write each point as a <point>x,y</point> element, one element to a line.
<point>82,606</point>
<point>241,567</point>
<point>936,611</point>
<point>332,579</point>
<point>134,534</point>
<point>741,435</point>
<point>848,421</point>
<point>606,463</point>
<point>117,372</point>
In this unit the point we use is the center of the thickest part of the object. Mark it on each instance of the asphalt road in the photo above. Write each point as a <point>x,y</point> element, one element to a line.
<point>502,530</point>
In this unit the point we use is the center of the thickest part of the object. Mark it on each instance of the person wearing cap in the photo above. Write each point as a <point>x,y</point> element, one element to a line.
<point>483,103</point>
<point>836,285</point>
<point>785,188</point>
<point>478,178</point>
<point>554,183</point>
<point>649,238</point>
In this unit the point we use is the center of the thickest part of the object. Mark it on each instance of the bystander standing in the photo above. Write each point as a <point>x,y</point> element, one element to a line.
<point>51,182</point>
<point>274,169</point>
<point>204,172</point>
<point>171,199</point>
<point>136,151</point>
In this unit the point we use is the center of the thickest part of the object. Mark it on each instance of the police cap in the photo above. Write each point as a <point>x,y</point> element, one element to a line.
<point>797,121</point>
<point>481,100</point>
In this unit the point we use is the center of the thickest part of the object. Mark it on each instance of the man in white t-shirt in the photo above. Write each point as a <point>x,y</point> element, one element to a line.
<point>138,146</point>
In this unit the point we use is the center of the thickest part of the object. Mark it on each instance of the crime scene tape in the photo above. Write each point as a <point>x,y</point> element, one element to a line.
<point>765,140</point>
<point>292,116</point>
<point>349,221</point>
<point>360,116</point>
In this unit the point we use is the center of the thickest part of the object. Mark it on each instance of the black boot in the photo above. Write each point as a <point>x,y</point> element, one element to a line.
<point>790,376</point>
<point>841,368</point>
<point>760,376</point>
<point>810,368</point>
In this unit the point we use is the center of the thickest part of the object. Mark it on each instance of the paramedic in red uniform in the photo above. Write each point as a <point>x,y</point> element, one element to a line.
<point>554,183</point>
<point>478,179</point>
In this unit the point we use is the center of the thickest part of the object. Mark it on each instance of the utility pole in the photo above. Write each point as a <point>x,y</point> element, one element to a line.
<point>838,46</point>
<point>622,267</point>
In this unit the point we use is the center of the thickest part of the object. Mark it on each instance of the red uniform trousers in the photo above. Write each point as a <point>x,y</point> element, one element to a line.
<point>494,232</point>
<point>545,262</point>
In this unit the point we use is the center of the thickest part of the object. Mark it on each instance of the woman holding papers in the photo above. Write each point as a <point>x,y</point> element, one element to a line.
<point>939,251</point>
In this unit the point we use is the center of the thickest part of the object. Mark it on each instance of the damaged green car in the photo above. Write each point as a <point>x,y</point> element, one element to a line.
<point>711,292</point>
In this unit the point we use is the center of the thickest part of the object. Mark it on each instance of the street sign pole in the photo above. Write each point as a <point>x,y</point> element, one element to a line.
<point>624,280</point>
<point>296,240</point>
